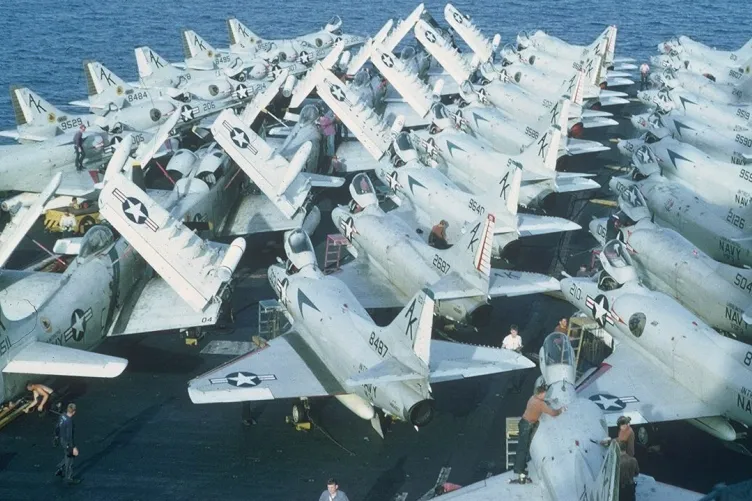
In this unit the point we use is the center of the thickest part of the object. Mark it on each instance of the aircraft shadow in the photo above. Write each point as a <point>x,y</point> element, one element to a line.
<point>122,436</point>
<point>388,483</point>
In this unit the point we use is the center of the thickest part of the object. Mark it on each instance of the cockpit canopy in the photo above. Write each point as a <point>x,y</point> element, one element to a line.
<point>404,148</point>
<point>362,191</point>
<point>299,249</point>
<point>557,350</point>
<point>309,114</point>
<point>334,25</point>
<point>97,239</point>
<point>441,117</point>
<point>617,266</point>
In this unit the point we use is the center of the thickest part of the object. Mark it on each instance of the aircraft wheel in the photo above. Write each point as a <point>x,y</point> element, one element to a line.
<point>643,437</point>
<point>85,223</point>
<point>298,413</point>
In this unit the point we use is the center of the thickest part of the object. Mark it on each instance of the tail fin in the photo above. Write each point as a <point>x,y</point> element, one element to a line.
<point>470,257</point>
<point>103,85</point>
<point>574,87</point>
<point>604,487</point>
<point>30,109</point>
<point>412,327</point>
<point>195,46</point>
<point>152,64</point>
<point>545,150</point>
<point>240,34</point>
<point>503,199</point>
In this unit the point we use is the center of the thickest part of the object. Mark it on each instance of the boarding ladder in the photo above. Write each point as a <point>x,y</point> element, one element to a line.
<point>333,253</point>
<point>272,320</point>
<point>512,439</point>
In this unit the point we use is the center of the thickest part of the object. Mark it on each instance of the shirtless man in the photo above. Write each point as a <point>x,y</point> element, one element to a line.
<point>536,406</point>
<point>40,391</point>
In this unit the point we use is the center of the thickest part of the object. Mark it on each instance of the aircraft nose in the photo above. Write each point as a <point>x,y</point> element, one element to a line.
<point>338,213</point>
<point>627,147</point>
<point>597,228</point>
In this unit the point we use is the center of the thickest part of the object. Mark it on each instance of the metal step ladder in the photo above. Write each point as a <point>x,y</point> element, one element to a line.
<point>576,333</point>
<point>272,321</point>
<point>333,252</point>
<point>512,439</point>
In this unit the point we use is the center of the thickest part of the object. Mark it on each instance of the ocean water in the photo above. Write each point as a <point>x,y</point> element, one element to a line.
<point>45,41</point>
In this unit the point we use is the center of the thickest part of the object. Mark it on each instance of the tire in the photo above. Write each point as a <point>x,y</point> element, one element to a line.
<point>298,413</point>
<point>85,224</point>
<point>642,436</point>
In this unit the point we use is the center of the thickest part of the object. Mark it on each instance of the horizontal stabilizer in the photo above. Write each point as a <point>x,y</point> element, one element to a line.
<point>55,360</point>
<point>529,225</point>
<point>390,370</point>
<point>582,146</point>
<point>364,54</point>
<point>618,82</point>
<point>403,27</point>
<point>450,361</point>
<point>595,122</point>
<point>453,286</point>
<point>262,99</point>
<point>507,283</point>
<point>568,184</point>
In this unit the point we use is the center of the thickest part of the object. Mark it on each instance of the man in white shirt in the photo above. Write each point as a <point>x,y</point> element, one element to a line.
<point>512,341</point>
<point>644,72</point>
<point>67,223</point>
<point>332,492</point>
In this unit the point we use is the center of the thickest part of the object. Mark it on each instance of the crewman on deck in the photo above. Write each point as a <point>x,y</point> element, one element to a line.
<point>65,434</point>
<point>536,406</point>
<point>332,492</point>
<point>78,147</point>
<point>41,394</point>
<point>628,471</point>
<point>437,238</point>
<point>562,326</point>
<point>626,434</point>
<point>644,72</point>
<point>512,341</point>
<point>67,223</point>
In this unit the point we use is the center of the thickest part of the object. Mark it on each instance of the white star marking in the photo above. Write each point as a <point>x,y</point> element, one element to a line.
<point>606,403</point>
<point>78,323</point>
<point>187,114</point>
<point>243,380</point>
<point>349,228</point>
<point>238,138</point>
<point>135,210</point>
<point>600,313</point>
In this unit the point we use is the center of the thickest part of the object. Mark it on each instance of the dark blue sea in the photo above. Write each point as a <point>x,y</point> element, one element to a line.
<point>45,41</point>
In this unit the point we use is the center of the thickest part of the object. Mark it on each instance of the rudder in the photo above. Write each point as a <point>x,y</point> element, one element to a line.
<point>30,109</point>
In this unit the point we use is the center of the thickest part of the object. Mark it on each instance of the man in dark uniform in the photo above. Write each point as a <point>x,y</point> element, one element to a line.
<point>536,406</point>
<point>64,433</point>
<point>78,146</point>
<point>628,471</point>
